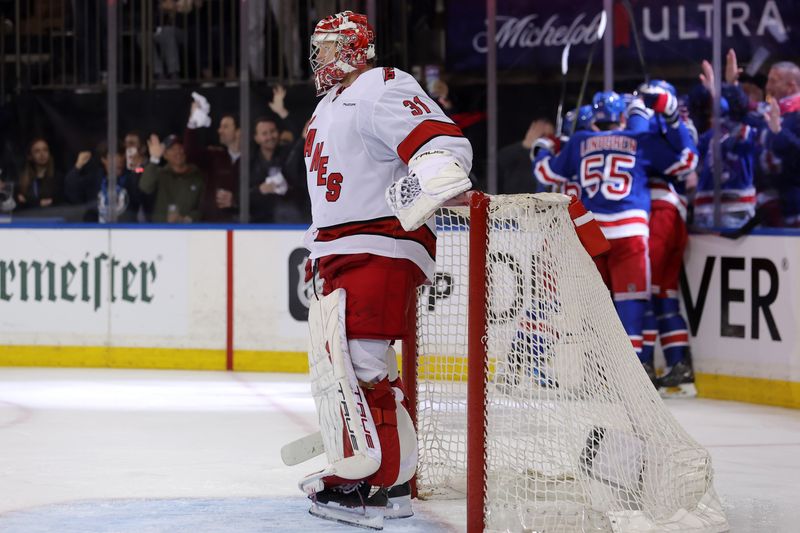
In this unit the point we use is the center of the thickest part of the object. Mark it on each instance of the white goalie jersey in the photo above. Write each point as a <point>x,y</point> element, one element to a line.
<point>359,141</point>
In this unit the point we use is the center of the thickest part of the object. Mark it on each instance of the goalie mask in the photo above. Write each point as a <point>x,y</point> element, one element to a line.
<point>340,44</point>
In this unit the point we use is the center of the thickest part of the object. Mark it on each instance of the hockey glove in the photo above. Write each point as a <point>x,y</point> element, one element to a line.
<point>661,101</point>
<point>637,108</point>
<point>550,143</point>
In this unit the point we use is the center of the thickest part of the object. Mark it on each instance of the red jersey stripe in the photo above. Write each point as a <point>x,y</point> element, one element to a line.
<point>424,132</point>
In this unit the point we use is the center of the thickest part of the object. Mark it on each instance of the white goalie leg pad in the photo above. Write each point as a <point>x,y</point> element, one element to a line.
<point>408,441</point>
<point>434,176</point>
<point>341,405</point>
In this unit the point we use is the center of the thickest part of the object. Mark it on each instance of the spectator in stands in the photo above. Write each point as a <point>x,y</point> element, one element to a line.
<point>440,92</point>
<point>87,184</point>
<point>7,203</point>
<point>168,38</point>
<point>8,178</point>
<point>40,184</point>
<point>294,170</point>
<point>178,186</point>
<point>286,18</point>
<point>289,128</point>
<point>753,87</point>
<point>136,158</point>
<point>783,136</point>
<point>267,182</point>
<point>256,18</point>
<point>220,164</point>
<point>217,41</point>
<point>135,151</point>
<point>514,161</point>
<point>738,147</point>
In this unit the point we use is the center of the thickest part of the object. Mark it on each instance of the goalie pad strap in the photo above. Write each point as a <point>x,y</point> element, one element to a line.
<point>382,416</point>
<point>381,398</point>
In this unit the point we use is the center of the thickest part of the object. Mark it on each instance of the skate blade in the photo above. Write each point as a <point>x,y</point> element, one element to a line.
<point>399,507</point>
<point>685,390</point>
<point>363,517</point>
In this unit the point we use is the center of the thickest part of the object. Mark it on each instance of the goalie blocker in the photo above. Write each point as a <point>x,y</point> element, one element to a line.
<point>434,176</point>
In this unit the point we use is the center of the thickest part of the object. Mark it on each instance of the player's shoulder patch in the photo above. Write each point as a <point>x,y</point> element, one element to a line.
<point>388,74</point>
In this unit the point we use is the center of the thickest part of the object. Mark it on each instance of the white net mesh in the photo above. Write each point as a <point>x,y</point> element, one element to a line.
<point>577,438</point>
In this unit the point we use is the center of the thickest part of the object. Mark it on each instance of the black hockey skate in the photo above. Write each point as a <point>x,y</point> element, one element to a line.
<point>399,505</point>
<point>678,382</point>
<point>651,373</point>
<point>357,505</point>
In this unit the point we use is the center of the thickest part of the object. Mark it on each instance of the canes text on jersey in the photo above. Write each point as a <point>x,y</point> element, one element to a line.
<point>319,164</point>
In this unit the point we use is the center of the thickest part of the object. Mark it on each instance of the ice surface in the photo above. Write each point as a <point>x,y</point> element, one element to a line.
<point>97,450</point>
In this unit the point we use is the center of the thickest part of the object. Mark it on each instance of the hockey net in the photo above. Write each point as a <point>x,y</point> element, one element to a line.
<point>550,424</point>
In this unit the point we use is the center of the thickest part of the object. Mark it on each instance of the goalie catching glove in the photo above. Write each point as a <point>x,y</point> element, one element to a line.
<point>434,176</point>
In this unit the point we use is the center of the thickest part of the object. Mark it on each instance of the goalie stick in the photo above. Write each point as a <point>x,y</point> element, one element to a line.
<point>635,30</point>
<point>601,30</point>
<point>564,70</point>
<point>303,449</point>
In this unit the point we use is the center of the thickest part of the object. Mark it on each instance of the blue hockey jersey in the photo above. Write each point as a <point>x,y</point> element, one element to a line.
<point>665,190</point>
<point>608,171</point>
<point>738,193</point>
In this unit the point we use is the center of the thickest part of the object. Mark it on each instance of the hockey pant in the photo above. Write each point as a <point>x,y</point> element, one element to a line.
<point>625,270</point>
<point>376,288</point>
<point>668,240</point>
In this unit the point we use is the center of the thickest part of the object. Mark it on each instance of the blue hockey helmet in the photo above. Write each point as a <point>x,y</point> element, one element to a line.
<point>585,119</point>
<point>608,106</point>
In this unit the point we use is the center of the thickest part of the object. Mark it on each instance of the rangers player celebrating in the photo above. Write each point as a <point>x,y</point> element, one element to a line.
<point>668,240</point>
<point>608,171</point>
<point>381,157</point>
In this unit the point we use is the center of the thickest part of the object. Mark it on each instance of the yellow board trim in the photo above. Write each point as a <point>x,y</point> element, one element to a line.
<point>112,357</point>
<point>258,361</point>
<point>714,386</point>
<point>749,390</point>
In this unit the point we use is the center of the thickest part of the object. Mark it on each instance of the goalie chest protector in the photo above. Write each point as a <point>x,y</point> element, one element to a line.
<point>359,141</point>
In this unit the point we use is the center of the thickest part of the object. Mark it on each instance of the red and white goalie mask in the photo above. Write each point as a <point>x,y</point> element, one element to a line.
<point>340,44</point>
